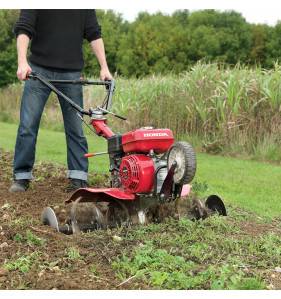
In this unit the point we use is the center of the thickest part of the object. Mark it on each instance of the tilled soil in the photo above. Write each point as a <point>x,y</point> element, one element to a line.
<point>53,268</point>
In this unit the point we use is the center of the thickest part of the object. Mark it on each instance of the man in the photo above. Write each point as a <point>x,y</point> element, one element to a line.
<point>56,53</point>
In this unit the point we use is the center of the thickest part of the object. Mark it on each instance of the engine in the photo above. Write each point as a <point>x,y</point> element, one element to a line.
<point>134,159</point>
<point>137,173</point>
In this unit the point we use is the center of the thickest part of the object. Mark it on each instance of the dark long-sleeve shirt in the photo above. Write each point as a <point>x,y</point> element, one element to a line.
<point>57,35</point>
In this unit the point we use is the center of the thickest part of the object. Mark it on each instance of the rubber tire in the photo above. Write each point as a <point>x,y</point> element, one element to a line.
<point>190,161</point>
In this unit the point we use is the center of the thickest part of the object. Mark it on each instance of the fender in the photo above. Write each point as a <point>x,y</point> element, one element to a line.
<point>100,194</point>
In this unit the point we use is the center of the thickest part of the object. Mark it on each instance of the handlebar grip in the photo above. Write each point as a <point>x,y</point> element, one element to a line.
<point>32,75</point>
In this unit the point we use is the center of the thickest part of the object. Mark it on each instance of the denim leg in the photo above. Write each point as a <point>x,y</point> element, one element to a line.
<point>76,142</point>
<point>33,101</point>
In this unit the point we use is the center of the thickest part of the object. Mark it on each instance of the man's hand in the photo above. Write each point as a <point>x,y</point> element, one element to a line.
<point>105,74</point>
<point>23,71</point>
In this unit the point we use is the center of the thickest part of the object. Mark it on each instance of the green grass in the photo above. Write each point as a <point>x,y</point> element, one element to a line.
<point>51,146</point>
<point>248,184</point>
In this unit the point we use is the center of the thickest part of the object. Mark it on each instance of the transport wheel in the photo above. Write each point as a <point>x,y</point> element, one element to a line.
<point>183,154</point>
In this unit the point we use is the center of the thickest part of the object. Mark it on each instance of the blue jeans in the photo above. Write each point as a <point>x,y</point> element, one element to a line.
<point>34,98</point>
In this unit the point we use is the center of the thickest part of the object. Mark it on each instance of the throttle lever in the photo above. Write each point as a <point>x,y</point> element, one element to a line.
<point>114,114</point>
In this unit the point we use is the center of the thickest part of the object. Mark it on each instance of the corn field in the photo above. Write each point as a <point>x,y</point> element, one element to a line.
<point>219,109</point>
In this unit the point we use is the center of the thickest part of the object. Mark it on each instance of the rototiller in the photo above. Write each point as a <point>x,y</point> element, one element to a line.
<point>148,170</point>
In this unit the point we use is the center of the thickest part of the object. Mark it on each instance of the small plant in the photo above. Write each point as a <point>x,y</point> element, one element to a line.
<point>32,239</point>
<point>231,278</point>
<point>250,283</point>
<point>93,270</point>
<point>73,253</point>
<point>23,263</point>
<point>22,221</point>
<point>18,237</point>
<point>29,238</point>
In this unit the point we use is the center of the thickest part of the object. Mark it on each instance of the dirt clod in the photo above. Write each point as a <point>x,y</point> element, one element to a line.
<point>3,272</point>
<point>117,238</point>
<point>3,245</point>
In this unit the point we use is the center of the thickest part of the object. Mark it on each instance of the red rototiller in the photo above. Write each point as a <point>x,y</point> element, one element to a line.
<point>148,170</point>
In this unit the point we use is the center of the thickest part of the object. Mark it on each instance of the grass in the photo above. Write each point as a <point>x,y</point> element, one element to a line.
<point>51,146</point>
<point>236,109</point>
<point>248,184</point>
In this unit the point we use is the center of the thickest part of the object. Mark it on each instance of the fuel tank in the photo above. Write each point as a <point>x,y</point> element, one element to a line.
<point>143,140</point>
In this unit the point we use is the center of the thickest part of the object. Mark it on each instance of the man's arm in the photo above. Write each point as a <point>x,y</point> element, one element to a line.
<point>98,48</point>
<point>92,32</point>
<point>23,67</point>
<point>24,30</point>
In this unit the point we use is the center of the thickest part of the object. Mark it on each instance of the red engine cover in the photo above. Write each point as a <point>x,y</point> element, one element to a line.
<point>137,173</point>
<point>143,140</point>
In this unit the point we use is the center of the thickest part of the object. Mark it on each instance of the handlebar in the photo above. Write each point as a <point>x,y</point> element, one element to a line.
<point>110,86</point>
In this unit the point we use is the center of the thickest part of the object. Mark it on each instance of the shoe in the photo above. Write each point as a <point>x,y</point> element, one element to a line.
<point>19,186</point>
<point>75,184</point>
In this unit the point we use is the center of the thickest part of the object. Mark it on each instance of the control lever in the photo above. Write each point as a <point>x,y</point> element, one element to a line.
<point>114,114</point>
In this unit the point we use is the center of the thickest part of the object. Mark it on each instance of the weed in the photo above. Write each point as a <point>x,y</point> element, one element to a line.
<point>209,254</point>
<point>73,253</point>
<point>23,263</point>
<point>161,269</point>
<point>18,237</point>
<point>29,238</point>
<point>93,270</point>
<point>250,283</point>
<point>22,221</point>
<point>230,277</point>
<point>32,239</point>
